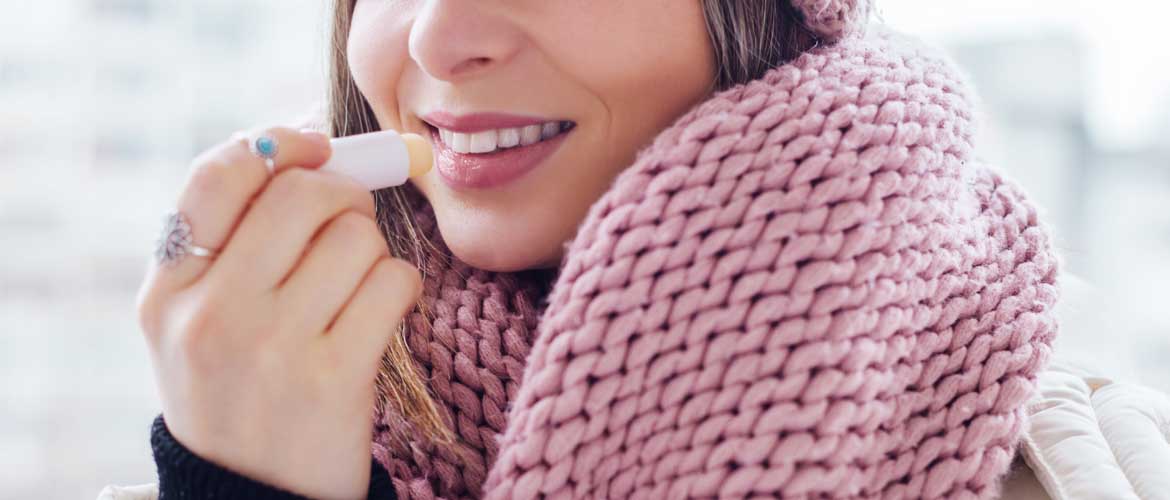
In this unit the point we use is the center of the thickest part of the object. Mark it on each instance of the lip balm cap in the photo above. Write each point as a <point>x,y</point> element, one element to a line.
<point>380,159</point>
<point>422,157</point>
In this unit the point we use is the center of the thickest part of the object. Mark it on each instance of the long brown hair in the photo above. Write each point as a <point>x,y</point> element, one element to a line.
<point>748,38</point>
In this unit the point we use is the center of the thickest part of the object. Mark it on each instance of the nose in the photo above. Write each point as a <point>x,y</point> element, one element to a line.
<point>457,39</point>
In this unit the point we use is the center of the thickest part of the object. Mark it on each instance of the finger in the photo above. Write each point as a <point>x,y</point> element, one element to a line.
<point>386,294</point>
<point>219,186</point>
<point>332,269</point>
<point>277,228</point>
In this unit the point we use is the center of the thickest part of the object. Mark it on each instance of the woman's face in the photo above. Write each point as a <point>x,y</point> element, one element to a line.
<point>533,106</point>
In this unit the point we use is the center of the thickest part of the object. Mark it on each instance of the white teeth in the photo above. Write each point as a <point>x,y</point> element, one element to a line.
<point>509,137</point>
<point>530,135</point>
<point>487,141</point>
<point>483,142</point>
<point>460,143</point>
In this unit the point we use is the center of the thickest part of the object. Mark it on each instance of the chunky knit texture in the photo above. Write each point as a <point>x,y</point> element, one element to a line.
<point>834,19</point>
<point>808,286</point>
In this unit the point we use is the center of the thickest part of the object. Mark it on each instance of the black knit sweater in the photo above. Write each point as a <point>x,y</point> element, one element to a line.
<point>185,475</point>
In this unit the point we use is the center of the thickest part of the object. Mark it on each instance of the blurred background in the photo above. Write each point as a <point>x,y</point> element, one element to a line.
<point>104,102</point>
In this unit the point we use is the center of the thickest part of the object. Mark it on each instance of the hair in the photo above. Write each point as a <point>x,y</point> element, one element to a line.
<point>748,38</point>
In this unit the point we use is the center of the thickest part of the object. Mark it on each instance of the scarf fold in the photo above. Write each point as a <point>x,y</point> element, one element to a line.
<point>807,286</point>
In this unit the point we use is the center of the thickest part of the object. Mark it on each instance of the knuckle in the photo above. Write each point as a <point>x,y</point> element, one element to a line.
<point>204,313</point>
<point>353,223</point>
<point>411,280</point>
<point>361,198</point>
<point>398,284</point>
<point>361,229</point>
<point>277,131</point>
<point>352,192</point>
<point>384,271</point>
<point>200,329</point>
<point>208,176</point>
<point>294,183</point>
<point>366,201</point>
<point>394,273</point>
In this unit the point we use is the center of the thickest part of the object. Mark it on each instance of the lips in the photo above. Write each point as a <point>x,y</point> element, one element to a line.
<point>485,150</point>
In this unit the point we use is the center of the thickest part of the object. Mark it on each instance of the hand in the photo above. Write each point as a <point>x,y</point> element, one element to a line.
<point>265,356</point>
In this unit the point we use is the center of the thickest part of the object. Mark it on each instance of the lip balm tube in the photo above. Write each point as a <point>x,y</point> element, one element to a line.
<point>380,159</point>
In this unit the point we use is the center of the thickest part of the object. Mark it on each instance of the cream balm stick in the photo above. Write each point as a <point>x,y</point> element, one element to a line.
<point>380,159</point>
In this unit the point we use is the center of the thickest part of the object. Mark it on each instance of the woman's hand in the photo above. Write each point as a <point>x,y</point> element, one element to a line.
<point>265,356</point>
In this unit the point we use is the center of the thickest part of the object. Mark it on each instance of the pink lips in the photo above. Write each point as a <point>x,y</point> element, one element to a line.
<point>485,170</point>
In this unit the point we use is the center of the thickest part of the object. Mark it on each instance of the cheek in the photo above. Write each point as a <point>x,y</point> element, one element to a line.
<point>651,64</point>
<point>669,62</point>
<point>377,54</point>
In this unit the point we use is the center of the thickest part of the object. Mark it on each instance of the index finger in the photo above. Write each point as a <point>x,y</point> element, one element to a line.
<point>221,184</point>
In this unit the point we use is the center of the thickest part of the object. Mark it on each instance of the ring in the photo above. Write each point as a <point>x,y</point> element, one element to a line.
<point>174,242</point>
<point>266,148</point>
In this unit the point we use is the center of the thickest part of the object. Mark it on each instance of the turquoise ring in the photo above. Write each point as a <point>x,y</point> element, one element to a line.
<point>266,148</point>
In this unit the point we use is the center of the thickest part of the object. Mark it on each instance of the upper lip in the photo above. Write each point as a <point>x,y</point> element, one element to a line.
<point>478,122</point>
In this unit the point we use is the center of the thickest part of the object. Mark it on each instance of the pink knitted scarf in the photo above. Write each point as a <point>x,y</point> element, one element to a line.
<point>807,286</point>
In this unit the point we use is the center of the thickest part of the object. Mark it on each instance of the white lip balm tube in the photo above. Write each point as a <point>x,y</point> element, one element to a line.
<point>380,159</point>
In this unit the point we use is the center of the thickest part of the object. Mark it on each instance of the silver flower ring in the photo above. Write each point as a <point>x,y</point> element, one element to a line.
<point>174,242</point>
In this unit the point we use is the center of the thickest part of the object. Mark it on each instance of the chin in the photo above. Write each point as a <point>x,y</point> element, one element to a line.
<point>501,249</point>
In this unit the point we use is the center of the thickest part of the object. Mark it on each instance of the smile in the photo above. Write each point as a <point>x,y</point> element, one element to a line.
<point>486,150</point>
<point>488,141</point>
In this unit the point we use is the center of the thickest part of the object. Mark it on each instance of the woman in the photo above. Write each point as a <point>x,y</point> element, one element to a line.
<point>669,249</point>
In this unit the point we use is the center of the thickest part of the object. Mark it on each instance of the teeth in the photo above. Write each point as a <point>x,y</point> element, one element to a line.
<point>509,137</point>
<point>530,135</point>
<point>483,142</point>
<point>487,141</point>
<point>461,143</point>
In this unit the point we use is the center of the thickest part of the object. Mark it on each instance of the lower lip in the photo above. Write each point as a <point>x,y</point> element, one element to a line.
<point>486,170</point>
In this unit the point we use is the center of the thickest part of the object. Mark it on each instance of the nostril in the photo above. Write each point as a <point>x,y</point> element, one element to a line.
<point>470,65</point>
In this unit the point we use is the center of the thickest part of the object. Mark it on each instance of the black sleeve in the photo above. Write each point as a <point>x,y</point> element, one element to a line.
<point>185,475</point>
